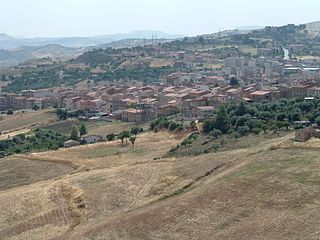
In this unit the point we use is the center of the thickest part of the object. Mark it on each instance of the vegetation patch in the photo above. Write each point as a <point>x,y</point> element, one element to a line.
<point>37,140</point>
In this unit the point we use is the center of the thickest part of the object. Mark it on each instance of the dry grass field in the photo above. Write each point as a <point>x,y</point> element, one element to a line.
<point>25,120</point>
<point>93,127</point>
<point>269,190</point>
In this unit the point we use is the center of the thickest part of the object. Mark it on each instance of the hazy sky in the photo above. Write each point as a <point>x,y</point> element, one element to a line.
<point>189,17</point>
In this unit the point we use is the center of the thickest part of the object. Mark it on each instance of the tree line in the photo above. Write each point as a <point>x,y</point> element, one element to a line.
<point>243,118</point>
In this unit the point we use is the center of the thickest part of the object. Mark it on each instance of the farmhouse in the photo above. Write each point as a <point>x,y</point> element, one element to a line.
<point>91,138</point>
<point>261,96</point>
<point>131,115</point>
<point>166,110</point>
<point>71,143</point>
<point>303,135</point>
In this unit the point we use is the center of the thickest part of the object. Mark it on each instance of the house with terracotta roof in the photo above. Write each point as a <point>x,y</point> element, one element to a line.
<point>166,110</point>
<point>233,94</point>
<point>261,95</point>
<point>131,115</point>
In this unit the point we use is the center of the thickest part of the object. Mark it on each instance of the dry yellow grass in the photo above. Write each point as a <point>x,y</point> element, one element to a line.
<point>160,62</point>
<point>32,119</point>
<point>267,191</point>
<point>111,154</point>
<point>116,184</point>
<point>14,133</point>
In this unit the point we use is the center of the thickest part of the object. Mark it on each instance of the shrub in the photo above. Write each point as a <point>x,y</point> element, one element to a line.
<point>135,130</point>
<point>10,112</point>
<point>215,133</point>
<point>256,130</point>
<point>179,128</point>
<point>244,130</point>
<point>186,142</point>
<point>111,137</point>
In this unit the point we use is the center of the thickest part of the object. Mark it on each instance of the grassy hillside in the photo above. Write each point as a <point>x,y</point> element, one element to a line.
<point>264,191</point>
<point>25,120</point>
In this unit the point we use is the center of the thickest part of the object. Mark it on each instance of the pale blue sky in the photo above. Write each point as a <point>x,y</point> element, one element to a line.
<point>48,18</point>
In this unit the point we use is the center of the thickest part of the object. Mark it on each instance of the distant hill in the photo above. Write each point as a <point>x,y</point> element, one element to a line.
<point>5,37</point>
<point>17,50</point>
<point>8,42</point>
<point>129,42</point>
<point>226,33</point>
<point>18,55</point>
<point>249,28</point>
<point>313,26</point>
<point>12,57</point>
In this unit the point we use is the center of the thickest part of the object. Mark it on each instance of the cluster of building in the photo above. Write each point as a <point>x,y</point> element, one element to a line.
<point>28,99</point>
<point>194,94</point>
<point>192,99</point>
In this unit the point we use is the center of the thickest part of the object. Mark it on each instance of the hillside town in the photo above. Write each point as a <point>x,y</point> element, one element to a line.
<point>192,94</point>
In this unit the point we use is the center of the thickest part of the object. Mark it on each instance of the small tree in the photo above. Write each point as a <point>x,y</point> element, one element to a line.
<point>83,130</point>
<point>74,133</point>
<point>208,125</point>
<point>126,135</point>
<point>135,130</point>
<point>233,81</point>
<point>318,121</point>
<point>9,112</point>
<point>132,139</point>
<point>35,107</point>
<point>193,125</point>
<point>215,133</point>
<point>110,137</point>
<point>221,121</point>
<point>62,114</point>
<point>280,116</point>
<point>121,137</point>
<point>241,110</point>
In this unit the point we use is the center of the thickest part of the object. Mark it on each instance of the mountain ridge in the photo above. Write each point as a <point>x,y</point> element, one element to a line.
<point>8,42</point>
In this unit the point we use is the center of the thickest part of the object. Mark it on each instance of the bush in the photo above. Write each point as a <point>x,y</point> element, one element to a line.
<point>215,133</point>
<point>172,126</point>
<point>317,120</point>
<point>111,137</point>
<point>185,142</point>
<point>10,112</point>
<point>164,123</point>
<point>215,147</point>
<point>256,130</point>
<point>135,130</point>
<point>208,125</point>
<point>41,140</point>
<point>244,130</point>
<point>179,128</point>
<point>280,116</point>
